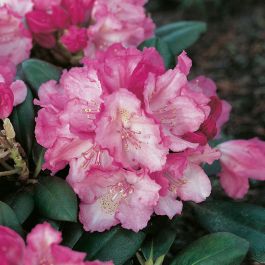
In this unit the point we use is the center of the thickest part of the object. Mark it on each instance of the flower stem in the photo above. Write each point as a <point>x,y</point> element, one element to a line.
<point>9,172</point>
<point>4,154</point>
<point>5,165</point>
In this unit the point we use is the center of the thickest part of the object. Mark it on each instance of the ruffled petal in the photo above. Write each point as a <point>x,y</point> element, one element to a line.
<point>19,90</point>
<point>234,185</point>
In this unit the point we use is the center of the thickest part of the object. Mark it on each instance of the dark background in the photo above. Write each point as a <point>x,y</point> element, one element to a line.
<point>231,52</point>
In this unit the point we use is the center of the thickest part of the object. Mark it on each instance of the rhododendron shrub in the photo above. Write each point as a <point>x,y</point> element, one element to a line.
<point>121,159</point>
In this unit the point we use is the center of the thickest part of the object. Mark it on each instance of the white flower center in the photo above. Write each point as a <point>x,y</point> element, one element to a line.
<point>111,200</point>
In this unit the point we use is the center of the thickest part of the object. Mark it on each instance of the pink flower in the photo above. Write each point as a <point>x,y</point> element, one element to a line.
<point>40,22</point>
<point>66,124</point>
<point>42,248</point>
<point>12,247</point>
<point>74,39</point>
<point>11,93</point>
<point>6,101</point>
<point>131,137</point>
<point>113,197</point>
<point>241,160</point>
<point>118,21</point>
<point>96,24</point>
<point>178,114</point>
<point>93,156</point>
<point>114,122</point>
<point>15,40</point>
<point>49,18</point>
<point>183,178</point>
<point>129,68</point>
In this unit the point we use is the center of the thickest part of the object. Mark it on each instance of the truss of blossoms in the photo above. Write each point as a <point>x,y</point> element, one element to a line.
<point>103,149</point>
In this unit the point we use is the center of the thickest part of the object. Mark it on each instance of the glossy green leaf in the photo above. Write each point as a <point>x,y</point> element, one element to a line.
<point>181,35</point>
<point>164,50</point>
<point>219,248</point>
<point>55,199</point>
<point>241,219</point>
<point>9,218</point>
<point>158,242</point>
<point>117,244</point>
<point>37,72</point>
<point>22,203</point>
<point>38,158</point>
<point>22,119</point>
<point>72,232</point>
<point>213,169</point>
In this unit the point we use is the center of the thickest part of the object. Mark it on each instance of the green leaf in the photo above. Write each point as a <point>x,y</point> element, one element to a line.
<point>22,119</point>
<point>9,218</point>
<point>37,72</point>
<point>71,234</point>
<point>244,220</point>
<point>163,48</point>
<point>181,35</point>
<point>23,204</point>
<point>55,199</point>
<point>219,248</point>
<point>38,158</point>
<point>213,169</point>
<point>158,243</point>
<point>117,245</point>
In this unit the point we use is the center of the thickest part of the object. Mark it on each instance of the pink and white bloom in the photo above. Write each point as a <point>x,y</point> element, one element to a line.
<point>15,39</point>
<point>117,21</point>
<point>112,197</point>
<point>184,179</point>
<point>132,138</point>
<point>241,160</point>
<point>178,113</point>
<point>66,124</point>
<point>43,247</point>
<point>115,121</point>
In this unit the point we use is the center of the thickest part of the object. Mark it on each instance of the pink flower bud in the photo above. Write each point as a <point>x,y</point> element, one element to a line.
<point>6,101</point>
<point>40,22</point>
<point>74,39</point>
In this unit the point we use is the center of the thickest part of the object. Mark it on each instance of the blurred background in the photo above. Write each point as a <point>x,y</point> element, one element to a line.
<point>231,52</point>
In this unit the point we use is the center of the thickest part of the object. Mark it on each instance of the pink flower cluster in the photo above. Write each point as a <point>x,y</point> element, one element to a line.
<point>116,122</point>
<point>11,93</point>
<point>42,248</point>
<point>15,39</point>
<point>89,25</point>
